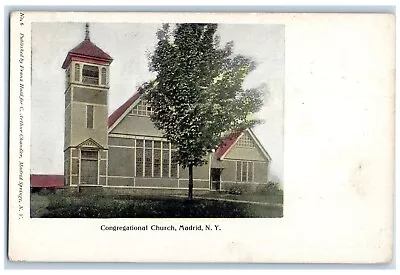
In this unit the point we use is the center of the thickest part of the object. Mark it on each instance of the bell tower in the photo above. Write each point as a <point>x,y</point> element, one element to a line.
<point>86,113</point>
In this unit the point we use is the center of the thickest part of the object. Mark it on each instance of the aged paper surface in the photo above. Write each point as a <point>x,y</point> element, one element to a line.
<point>337,163</point>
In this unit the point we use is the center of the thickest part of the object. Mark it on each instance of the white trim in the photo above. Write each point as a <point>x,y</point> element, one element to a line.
<point>120,146</point>
<point>241,171</point>
<point>129,114</point>
<point>70,166</point>
<point>209,172</point>
<point>244,182</point>
<point>106,167</point>
<point>253,175</point>
<point>89,185</point>
<point>233,160</point>
<point>161,160</point>
<point>196,179</point>
<point>152,159</point>
<point>170,163</point>
<point>134,158</point>
<point>98,167</point>
<point>122,177</point>
<point>144,159</point>
<point>230,147</point>
<point>146,187</point>
<point>114,135</point>
<point>102,176</point>
<point>253,136</point>
<point>127,111</point>
<point>80,84</point>
<point>257,142</point>
<point>80,167</point>
<point>87,103</point>
<point>68,106</point>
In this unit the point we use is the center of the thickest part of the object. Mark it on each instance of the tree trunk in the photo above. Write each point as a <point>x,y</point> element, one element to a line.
<point>190,194</point>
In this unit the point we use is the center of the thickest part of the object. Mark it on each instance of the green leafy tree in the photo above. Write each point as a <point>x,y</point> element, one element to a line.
<point>197,96</point>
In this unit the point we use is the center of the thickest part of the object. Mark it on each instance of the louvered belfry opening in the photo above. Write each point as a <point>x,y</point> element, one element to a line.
<point>89,167</point>
<point>90,75</point>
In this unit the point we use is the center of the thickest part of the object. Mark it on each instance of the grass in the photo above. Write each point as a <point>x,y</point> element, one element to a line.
<point>61,205</point>
<point>275,197</point>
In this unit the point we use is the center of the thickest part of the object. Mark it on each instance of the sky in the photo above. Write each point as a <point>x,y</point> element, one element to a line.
<point>129,45</point>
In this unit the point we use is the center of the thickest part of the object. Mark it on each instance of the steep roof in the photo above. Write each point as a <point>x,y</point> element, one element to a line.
<point>227,143</point>
<point>231,140</point>
<point>38,180</point>
<point>122,109</point>
<point>222,149</point>
<point>87,50</point>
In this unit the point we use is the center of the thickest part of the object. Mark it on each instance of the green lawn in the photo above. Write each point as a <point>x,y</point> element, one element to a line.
<point>144,206</point>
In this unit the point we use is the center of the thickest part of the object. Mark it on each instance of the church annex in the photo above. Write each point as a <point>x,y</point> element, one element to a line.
<point>126,150</point>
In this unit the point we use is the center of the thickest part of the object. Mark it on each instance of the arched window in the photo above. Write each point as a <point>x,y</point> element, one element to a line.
<point>90,74</point>
<point>103,76</point>
<point>77,72</point>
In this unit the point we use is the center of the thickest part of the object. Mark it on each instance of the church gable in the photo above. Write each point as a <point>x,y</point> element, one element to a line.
<point>247,147</point>
<point>90,143</point>
<point>136,120</point>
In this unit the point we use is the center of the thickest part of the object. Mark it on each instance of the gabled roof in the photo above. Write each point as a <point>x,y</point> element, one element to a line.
<point>87,50</point>
<point>90,143</point>
<point>38,180</point>
<point>221,151</point>
<point>117,114</point>
<point>229,142</point>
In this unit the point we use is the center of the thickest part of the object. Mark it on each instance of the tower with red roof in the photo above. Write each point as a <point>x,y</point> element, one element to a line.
<point>86,112</point>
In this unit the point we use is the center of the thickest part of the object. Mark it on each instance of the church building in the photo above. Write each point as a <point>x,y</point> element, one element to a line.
<point>126,150</point>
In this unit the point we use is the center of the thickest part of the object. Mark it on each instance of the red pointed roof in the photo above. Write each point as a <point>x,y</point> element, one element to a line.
<point>87,51</point>
<point>47,180</point>
<point>227,143</point>
<point>121,110</point>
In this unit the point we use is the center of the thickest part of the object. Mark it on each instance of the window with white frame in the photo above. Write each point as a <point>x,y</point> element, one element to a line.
<point>142,109</point>
<point>154,159</point>
<point>245,171</point>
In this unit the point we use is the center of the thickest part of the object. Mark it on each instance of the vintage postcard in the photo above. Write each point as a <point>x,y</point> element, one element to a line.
<point>195,137</point>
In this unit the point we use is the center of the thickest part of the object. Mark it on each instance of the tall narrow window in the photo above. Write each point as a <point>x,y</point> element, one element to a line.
<point>244,171</point>
<point>165,160</point>
<point>89,116</point>
<point>239,171</point>
<point>103,76</point>
<point>250,175</point>
<point>148,158</point>
<point>77,72</point>
<point>174,165</point>
<point>90,74</point>
<point>139,158</point>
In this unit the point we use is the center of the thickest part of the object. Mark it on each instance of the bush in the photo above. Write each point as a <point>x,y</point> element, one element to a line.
<point>271,188</point>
